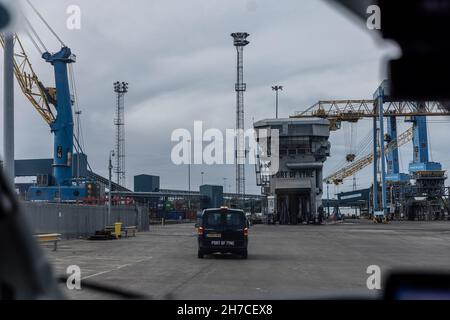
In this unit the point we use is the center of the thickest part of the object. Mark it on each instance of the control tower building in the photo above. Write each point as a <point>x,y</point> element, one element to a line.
<point>296,189</point>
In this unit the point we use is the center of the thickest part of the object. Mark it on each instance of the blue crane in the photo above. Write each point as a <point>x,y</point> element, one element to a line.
<point>393,174</point>
<point>421,161</point>
<point>426,173</point>
<point>55,107</point>
<point>424,178</point>
<point>62,127</point>
<point>62,187</point>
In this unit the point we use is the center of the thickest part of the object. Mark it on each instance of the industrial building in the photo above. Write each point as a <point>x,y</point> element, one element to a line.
<point>214,194</point>
<point>297,187</point>
<point>146,183</point>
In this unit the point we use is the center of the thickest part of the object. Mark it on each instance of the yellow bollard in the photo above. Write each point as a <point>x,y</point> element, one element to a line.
<point>117,229</point>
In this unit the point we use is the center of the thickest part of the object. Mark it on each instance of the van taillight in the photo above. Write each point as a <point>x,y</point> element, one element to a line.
<point>246,232</point>
<point>200,231</point>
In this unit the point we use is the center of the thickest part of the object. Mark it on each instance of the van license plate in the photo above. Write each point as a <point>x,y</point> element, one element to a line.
<point>213,235</point>
<point>222,243</point>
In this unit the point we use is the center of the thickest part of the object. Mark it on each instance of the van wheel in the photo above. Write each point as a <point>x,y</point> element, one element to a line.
<point>244,254</point>
<point>200,254</point>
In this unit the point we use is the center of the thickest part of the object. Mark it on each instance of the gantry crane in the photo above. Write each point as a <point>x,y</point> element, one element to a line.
<point>427,174</point>
<point>338,111</point>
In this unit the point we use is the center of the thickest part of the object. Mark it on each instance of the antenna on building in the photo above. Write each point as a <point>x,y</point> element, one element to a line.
<point>240,41</point>
<point>120,88</point>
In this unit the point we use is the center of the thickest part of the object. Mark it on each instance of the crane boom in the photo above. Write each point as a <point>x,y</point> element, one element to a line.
<point>41,98</point>
<point>337,111</point>
<point>353,110</point>
<point>348,171</point>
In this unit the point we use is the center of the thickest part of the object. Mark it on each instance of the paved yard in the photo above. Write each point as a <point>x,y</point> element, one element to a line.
<point>284,261</point>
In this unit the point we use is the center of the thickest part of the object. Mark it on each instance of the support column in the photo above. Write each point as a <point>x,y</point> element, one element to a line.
<point>382,159</point>
<point>375,162</point>
<point>392,157</point>
<point>8,109</point>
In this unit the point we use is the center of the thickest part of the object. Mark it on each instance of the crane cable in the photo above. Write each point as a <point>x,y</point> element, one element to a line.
<point>30,27</point>
<point>350,133</point>
<point>364,148</point>
<point>34,42</point>
<point>46,23</point>
<point>354,135</point>
<point>347,136</point>
<point>79,143</point>
<point>363,144</point>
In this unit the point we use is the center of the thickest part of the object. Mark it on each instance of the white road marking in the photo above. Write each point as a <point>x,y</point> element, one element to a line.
<point>117,268</point>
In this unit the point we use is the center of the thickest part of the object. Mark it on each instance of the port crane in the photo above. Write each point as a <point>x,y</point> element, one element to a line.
<point>427,174</point>
<point>54,104</point>
<point>338,111</point>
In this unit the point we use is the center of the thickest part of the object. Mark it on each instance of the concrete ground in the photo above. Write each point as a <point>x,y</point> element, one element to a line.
<point>284,261</point>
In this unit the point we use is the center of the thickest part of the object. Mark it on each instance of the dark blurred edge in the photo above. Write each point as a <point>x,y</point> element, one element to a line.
<point>5,16</point>
<point>420,27</point>
<point>416,282</point>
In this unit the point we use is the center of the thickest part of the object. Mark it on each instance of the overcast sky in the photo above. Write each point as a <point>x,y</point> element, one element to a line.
<point>179,60</point>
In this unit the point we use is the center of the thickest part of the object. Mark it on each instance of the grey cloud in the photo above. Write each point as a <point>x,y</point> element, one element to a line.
<point>179,60</point>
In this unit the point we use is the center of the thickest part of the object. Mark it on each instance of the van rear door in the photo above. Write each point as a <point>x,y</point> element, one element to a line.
<point>234,225</point>
<point>224,227</point>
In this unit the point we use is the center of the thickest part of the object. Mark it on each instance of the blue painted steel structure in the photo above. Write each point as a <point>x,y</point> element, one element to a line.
<point>375,163</point>
<point>57,193</point>
<point>393,174</point>
<point>63,187</point>
<point>420,144</point>
<point>392,156</point>
<point>62,127</point>
<point>352,197</point>
<point>427,174</point>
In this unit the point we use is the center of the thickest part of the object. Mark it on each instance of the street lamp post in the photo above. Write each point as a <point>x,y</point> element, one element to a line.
<point>276,89</point>
<point>202,176</point>
<point>189,174</point>
<point>110,167</point>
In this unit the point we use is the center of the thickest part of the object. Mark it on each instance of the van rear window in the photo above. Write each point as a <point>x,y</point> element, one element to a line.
<point>214,219</point>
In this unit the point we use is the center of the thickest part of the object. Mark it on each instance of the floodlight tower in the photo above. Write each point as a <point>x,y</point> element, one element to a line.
<point>120,88</point>
<point>240,41</point>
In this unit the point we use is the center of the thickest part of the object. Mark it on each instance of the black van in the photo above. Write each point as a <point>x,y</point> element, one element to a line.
<point>222,230</point>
